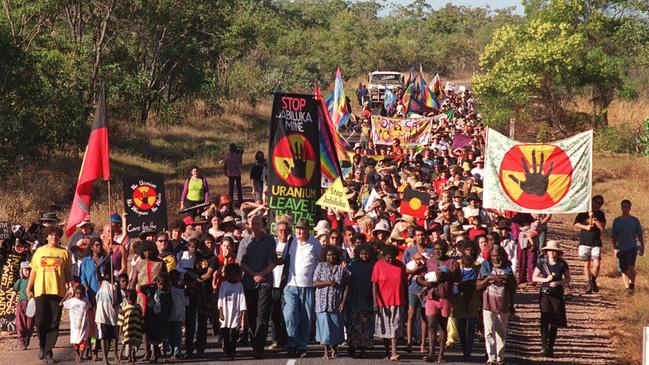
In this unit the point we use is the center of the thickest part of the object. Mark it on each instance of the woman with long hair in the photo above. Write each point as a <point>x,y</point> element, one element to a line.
<point>195,189</point>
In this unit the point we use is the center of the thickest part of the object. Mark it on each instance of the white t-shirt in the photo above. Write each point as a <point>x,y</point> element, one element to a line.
<point>304,259</point>
<point>280,249</point>
<point>231,301</point>
<point>78,311</point>
<point>105,312</point>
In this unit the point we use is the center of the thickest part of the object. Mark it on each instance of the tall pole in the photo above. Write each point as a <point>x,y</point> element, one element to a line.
<point>112,276</point>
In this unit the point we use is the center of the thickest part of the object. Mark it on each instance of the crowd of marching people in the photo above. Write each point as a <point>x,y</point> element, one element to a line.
<point>417,284</point>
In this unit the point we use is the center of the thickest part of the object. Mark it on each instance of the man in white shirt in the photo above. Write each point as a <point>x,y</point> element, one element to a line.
<point>479,167</point>
<point>302,257</point>
<point>278,328</point>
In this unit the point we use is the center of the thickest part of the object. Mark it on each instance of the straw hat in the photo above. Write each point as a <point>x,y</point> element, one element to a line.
<point>552,245</point>
<point>322,232</point>
<point>85,222</point>
<point>322,225</point>
<point>408,219</point>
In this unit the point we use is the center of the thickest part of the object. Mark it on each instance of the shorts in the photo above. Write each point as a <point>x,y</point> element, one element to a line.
<point>626,259</point>
<point>438,306</point>
<point>415,301</point>
<point>587,253</point>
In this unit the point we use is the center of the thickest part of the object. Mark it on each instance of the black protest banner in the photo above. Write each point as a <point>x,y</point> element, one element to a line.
<point>294,150</point>
<point>145,203</point>
<point>5,231</point>
<point>10,273</point>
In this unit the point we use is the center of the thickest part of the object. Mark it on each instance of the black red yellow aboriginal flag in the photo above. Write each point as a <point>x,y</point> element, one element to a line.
<point>554,177</point>
<point>95,165</point>
<point>414,203</point>
<point>294,174</point>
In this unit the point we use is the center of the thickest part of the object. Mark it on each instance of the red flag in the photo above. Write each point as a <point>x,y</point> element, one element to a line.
<point>95,165</point>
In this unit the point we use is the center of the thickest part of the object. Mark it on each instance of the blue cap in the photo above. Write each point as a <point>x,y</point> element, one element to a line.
<point>115,218</point>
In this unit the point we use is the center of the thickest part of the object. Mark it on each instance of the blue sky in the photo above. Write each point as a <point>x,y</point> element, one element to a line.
<point>494,4</point>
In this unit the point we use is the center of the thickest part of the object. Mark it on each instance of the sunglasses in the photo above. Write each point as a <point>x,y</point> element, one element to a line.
<point>162,240</point>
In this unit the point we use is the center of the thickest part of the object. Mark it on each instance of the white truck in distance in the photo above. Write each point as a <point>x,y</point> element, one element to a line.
<point>377,81</point>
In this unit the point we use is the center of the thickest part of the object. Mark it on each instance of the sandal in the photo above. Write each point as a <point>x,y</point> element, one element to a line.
<point>395,357</point>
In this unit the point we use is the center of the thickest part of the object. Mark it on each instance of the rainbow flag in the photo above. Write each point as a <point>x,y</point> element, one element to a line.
<point>340,114</point>
<point>418,99</point>
<point>436,87</point>
<point>330,145</point>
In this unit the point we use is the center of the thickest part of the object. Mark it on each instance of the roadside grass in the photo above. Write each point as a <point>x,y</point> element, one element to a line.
<point>618,177</point>
<point>138,150</point>
<point>620,111</point>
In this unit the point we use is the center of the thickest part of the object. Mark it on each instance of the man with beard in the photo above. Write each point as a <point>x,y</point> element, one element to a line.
<point>498,285</point>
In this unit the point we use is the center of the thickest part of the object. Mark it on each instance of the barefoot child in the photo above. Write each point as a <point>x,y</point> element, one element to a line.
<point>78,306</point>
<point>232,308</point>
<point>131,324</point>
<point>105,313</point>
<point>24,324</point>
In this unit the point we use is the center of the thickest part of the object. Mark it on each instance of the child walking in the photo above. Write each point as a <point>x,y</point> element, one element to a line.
<point>24,324</point>
<point>131,325</point>
<point>78,307</point>
<point>232,308</point>
<point>105,312</point>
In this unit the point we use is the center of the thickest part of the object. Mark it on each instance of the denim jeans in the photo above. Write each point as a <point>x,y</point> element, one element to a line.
<point>298,315</point>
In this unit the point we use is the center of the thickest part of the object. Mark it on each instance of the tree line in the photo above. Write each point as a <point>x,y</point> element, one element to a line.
<point>157,56</point>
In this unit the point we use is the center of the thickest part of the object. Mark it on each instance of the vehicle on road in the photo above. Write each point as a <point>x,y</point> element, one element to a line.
<point>377,81</point>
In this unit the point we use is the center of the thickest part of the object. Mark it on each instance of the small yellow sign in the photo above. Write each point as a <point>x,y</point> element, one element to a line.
<point>334,197</point>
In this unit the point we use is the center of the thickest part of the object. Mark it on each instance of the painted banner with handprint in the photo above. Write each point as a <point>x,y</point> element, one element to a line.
<point>294,150</point>
<point>554,177</point>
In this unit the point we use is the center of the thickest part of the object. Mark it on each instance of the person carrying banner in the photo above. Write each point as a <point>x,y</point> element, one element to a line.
<point>590,226</point>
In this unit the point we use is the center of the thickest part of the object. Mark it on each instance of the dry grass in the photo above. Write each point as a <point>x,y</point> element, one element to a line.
<point>620,111</point>
<point>625,177</point>
<point>137,150</point>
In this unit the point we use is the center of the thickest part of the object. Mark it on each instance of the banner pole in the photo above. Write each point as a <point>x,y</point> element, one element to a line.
<point>112,277</point>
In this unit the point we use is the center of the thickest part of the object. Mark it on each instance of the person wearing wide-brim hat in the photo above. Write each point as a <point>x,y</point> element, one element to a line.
<point>199,223</point>
<point>322,235</point>
<point>148,234</point>
<point>48,219</point>
<point>381,231</point>
<point>229,224</point>
<point>553,273</point>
